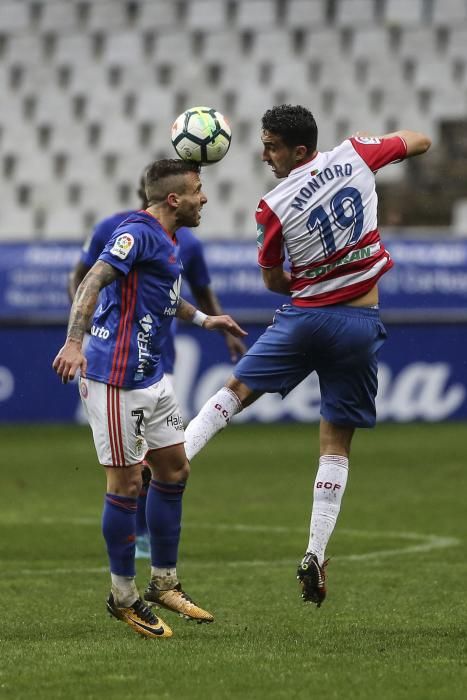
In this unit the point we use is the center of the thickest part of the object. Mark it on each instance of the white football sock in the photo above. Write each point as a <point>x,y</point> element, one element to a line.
<point>214,416</point>
<point>328,491</point>
<point>124,590</point>
<point>164,578</point>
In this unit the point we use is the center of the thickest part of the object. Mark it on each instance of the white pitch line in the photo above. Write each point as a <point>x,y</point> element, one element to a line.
<point>421,543</point>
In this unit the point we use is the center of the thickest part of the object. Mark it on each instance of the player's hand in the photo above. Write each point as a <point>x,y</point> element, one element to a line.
<point>235,346</point>
<point>69,360</point>
<point>224,323</point>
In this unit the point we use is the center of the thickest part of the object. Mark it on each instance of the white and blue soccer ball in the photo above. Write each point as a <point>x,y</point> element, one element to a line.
<point>201,134</point>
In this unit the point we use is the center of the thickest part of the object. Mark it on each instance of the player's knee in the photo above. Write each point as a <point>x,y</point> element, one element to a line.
<point>242,392</point>
<point>171,470</point>
<point>124,482</point>
<point>180,472</point>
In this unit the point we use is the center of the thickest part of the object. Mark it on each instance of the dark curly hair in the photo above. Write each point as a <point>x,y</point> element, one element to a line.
<point>293,123</point>
<point>159,177</point>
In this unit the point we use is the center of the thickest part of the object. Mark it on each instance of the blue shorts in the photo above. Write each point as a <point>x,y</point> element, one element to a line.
<point>340,343</point>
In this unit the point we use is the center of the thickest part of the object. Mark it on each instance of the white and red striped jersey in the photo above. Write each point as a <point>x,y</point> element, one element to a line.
<point>324,215</point>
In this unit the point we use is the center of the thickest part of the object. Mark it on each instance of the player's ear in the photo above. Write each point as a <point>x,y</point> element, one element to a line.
<point>300,153</point>
<point>173,199</point>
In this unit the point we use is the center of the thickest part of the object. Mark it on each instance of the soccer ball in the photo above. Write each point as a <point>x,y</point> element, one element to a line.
<point>201,134</point>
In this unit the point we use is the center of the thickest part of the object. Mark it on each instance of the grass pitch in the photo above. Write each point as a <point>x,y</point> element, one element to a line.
<point>394,625</point>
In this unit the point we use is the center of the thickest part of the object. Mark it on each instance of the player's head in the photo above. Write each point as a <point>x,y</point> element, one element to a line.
<point>289,135</point>
<point>174,186</point>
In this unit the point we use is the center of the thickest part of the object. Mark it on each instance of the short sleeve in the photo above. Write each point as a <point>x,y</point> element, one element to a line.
<point>379,152</point>
<point>269,237</point>
<point>127,246</point>
<point>100,235</point>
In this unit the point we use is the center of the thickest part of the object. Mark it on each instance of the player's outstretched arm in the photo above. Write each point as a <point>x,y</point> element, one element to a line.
<point>224,322</point>
<point>70,358</point>
<point>417,143</point>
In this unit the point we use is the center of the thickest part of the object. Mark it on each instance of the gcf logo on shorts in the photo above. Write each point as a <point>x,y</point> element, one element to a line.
<point>122,245</point>
<point>83,388</point>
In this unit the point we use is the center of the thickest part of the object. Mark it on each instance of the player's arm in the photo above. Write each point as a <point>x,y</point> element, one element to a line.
<point>77,275</point>
<point>223,322</point>
<point>276,279</point>
<point>208,302</point>
<point>416,142</point>
<point>70,357</point>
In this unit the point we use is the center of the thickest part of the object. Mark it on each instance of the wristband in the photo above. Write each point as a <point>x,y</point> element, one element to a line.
<point>199,318</point>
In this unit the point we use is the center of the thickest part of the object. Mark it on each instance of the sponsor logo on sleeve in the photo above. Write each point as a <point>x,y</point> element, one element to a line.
<point>260,235</point>
<point>122,245</point>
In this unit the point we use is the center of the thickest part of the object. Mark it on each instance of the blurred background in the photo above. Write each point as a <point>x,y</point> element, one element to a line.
<point>90,90</point>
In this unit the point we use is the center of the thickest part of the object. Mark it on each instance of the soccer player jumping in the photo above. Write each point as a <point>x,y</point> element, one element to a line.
<point>131,406</point>
<point>323,214</point>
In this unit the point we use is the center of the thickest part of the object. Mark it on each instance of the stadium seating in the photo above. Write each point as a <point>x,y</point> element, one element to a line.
<point>91,88</point>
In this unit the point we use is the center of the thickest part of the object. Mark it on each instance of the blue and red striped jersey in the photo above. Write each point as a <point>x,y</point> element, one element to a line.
<point>194,267</point>
<point>132,320</point>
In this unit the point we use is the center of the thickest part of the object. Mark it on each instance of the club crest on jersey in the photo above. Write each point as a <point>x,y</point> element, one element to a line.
<point>369,140</point>
<point>122,245</point>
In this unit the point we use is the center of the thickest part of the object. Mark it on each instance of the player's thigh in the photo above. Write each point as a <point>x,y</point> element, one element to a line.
<point>164,423</point>
<point>116,417</point>
<point>276,361</point>
<point>349,376</point>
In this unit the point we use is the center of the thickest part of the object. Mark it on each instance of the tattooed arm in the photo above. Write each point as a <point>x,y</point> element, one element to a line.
<point>70,357</point>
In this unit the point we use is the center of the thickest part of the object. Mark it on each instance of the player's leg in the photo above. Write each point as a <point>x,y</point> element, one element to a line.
<point>143,547</point>
<point>271,365</point>
<point>216,414</point>
<point>170,469</point>
<point>348,380</point>
<point>330,483</point>
<point>328,491</point>
<point>119,529</point>
<point>119,447</point>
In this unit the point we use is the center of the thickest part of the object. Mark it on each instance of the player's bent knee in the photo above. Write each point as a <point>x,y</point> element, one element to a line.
<point>169,464</point>
<point>244,394</point>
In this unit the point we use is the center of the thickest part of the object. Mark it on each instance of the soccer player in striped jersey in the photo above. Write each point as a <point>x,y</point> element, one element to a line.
<point>322,215</point>
<point>130,405</point>
<point>196,273</point>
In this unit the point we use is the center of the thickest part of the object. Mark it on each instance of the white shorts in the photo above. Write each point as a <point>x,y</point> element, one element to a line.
<point>126,423</point>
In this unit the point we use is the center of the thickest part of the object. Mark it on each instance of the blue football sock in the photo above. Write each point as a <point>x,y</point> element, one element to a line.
<point>141,526</point>
<point>119,530</point>
<point>163,516</point>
